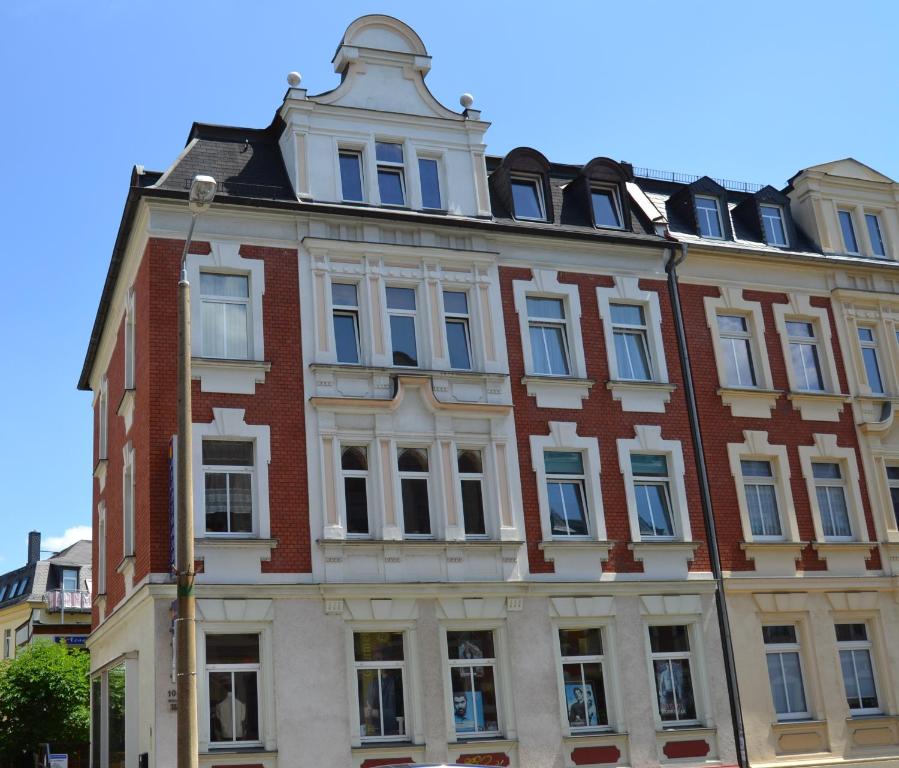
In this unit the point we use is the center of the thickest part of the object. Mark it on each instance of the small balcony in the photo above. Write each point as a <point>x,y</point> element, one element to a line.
<point>58,600</point>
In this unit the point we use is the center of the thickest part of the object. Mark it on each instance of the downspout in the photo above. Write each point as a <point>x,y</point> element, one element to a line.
<point>730,672</point>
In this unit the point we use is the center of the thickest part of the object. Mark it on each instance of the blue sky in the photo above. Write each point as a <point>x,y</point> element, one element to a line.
<point>750,92</point>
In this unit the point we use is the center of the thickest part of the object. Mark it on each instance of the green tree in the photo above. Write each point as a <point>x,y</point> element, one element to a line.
<point>44,696</point>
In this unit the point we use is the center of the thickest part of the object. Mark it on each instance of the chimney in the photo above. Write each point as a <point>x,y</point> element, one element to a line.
<point>34,547</point>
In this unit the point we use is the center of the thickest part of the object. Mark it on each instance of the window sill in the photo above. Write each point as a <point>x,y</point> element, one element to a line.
<point>873,730</point>
<point>818,406</point>
<point>238,377</point>
<point>845,558</point>
<point>664,559</point>
<point>644,396</point>
<point>774,558</point>
<point>235,542</point>
<point>100,472</point>
<point>690,740</point>
<point>798,737</point>
<point>748,402</point>
<point>126,564</point>
<point>126,408</point>
<point>558,391</point>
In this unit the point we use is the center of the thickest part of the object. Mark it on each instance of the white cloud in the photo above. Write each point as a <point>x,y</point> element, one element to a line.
<point>58,543</point>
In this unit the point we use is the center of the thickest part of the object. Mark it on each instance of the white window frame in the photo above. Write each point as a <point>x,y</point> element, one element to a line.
<point>804,342</point>
<point>874,345</point>
<point>436,158</point>
<point>578,480</point>
<point>757,448</point>
<point>875,215</point>
<point>128,501</point>
<point>826,450</point>
<point>537,181</point>
<point>429,477</point>
<point>359,155</point>
<point>392,167</point>
<point>406,689</point>
<point>850,212</point>
<point>728,340</point>
<point>612,190</point>
<point>781,217</point>
<point>641,332</point>
<point>563,437</point>
<point>211,621</point>
<point>606,660</point>
<point>101,548</point>
<point>764,481</point>
<point>458,317</point>
<point>694,657</point>
<point>860,645</point>
<point>130,340</point>
<point>224,258</point>
<point>220,300</point>
<point>343,474</point>
<point>800,309</point>
<point>700,212</point>
<point>236,469</point>
<point>230,424</point>
<point>731,302</point>
<point>545,283</point>
<point>779,649</point>
<point>478,477</point>
<point>103,421</point>
<point>346,309</point>
<point>839,483</point>
<point>499,676</point>
<point>648,440</point>
<point>891,482</point>
<point>414,314</point>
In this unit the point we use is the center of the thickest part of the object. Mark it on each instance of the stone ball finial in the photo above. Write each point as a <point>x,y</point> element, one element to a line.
<point>294,79</point>
<point>466,100</point>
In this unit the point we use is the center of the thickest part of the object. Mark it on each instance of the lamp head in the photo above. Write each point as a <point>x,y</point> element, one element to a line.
<point>202,192</point>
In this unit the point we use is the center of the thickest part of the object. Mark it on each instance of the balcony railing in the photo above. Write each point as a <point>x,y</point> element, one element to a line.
<point>67,600</point>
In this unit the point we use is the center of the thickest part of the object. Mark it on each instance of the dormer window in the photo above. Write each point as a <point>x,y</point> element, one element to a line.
<point>850,243</point>
<point>391,173</point>
<point>70,579</point>
<point>527,198</point>
<point>708,217</point>
<point>351,176</point>
<point>606,208</point>
<point>773,222</point>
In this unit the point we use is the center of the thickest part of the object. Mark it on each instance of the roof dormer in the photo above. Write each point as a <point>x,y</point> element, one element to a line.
<point>521,188</point>
<point>702,208</point>
<point>765,217</point>
<point>599,195</point>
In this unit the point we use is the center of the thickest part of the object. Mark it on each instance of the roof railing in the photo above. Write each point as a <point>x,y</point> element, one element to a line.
<point>689,178</point>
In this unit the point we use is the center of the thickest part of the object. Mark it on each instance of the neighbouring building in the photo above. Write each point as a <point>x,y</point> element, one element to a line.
<point>47,599</point>
<point>462,427</point>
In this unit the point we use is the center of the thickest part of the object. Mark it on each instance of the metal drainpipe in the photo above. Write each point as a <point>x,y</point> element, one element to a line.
<point>730,673</point>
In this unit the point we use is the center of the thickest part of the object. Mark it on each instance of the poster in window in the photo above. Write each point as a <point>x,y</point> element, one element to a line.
<point>468,712</point>
<point>581,704</point>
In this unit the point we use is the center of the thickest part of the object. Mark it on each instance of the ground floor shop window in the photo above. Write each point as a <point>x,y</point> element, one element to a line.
<point>472,662</point>
<point>380,665</point>
<point>109,704</point>
<point>232,671</point>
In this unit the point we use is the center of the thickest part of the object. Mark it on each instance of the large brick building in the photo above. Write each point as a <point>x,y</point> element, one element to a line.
<point>488,449</point>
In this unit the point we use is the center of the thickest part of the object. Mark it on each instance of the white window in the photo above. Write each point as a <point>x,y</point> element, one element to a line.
<point>893,483</point>
<point>380,667</point>
<point>672,674</point>
<point>225,301</point>
<point>761,499</point>
<point>458,336</point>
<point>101,549</point>
<point>875,234</point>
<point>527,198</point>
<point>7,643</point>
<point>584,679</point>
<point>103,420</point>
<point>228,483</point>
<point>858,669</point>
<point>773,223</point>
<point>429,176</point>
<point>782,654</point>
<point>850,243</point>
<point>351,184</point>
<point>565,492</point>
<point>652,490</point>
<point>804,355</point>
<point>232,676</point>
<point>354,467</point>
<point>129,339</point>
<point>548,335</point>
<point>830,490</point>
<point>709,217</point>
<point>470,463</point>
<point>472,666</point>
<point>631,346</point>
<point>128,500</point>
<point>870,356</point>
<point>401,311</point>
<point>606,208</point>
<point>345,314</point>
<point>736,350</point>
<point>69,579</point>
<point>391,173</point>
<point>414,474</point>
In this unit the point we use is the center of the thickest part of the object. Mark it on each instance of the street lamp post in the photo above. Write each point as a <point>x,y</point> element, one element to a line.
<point>202,192</point>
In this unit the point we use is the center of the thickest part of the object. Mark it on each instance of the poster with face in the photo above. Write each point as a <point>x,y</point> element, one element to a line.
<point>581,705</point>
<point>468,713</point>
